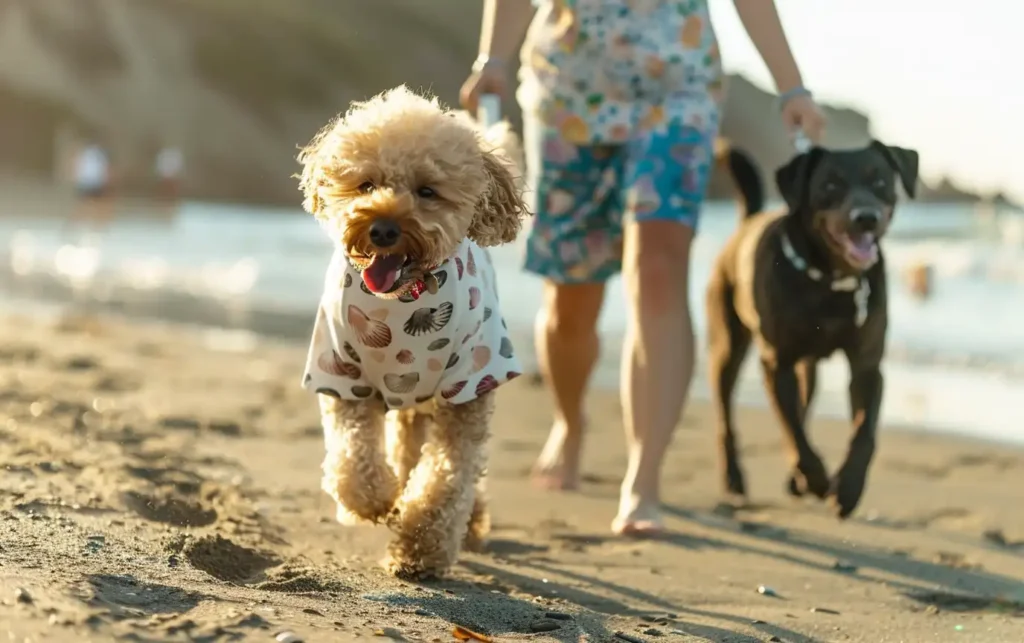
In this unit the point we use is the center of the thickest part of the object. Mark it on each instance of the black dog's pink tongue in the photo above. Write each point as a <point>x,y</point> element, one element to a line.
<point>383,271</point>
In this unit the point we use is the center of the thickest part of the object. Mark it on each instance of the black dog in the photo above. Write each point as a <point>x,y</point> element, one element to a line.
<point>803,284</point>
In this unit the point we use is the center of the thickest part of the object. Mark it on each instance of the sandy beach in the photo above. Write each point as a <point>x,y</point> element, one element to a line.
<point>161,483</point>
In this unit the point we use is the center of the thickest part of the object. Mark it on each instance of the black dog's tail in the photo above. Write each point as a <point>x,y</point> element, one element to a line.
<point>746,176</point>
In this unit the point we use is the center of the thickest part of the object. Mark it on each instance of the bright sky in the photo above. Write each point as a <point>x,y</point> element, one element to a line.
<point>925,71</point>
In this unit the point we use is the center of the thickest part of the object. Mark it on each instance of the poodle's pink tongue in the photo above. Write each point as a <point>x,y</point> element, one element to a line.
<point>383,272</point>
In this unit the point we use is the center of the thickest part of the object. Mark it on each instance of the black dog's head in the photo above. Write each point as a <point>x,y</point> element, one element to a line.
<point>845,199</point>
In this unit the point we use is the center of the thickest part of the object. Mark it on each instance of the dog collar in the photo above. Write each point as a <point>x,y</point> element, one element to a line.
<point>857,285</point>
<point>428,283</point>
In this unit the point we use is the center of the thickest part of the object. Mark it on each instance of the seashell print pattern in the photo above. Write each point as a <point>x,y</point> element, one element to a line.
<point>405,356</point>
<point>428,320</point>
<point>362,392</point>
<point>454,390</point>
<point>481,358</point>
<point>486,384</point>
<point>369,331</point>
<point>351,352</point>
<point>401,383</point>
<point>438,344</point>
<point>332,364</point>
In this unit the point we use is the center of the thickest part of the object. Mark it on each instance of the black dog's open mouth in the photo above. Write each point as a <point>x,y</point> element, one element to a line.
<point>859,248</point>
<point>382,274</point>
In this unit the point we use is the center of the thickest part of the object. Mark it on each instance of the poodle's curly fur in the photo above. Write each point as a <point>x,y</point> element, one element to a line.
<point>419,471</point>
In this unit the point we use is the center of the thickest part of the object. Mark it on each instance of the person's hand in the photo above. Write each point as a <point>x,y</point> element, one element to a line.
<point>488,77</point>
<point>801,113</point>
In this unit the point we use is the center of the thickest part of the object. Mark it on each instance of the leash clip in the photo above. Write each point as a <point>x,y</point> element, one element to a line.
<point>801,142</point>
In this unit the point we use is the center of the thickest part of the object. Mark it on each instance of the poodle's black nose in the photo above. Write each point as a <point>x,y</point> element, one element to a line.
<point>384,233</point>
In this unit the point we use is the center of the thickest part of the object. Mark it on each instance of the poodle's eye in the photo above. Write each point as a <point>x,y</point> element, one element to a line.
<point>366,187</point>
<point>426,192</point>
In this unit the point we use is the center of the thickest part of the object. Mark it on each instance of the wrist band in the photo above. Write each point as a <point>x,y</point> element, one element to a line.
<point>485,60</point>
<point>790,94</point>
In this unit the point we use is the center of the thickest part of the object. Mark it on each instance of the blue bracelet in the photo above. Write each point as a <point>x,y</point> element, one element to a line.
<point>790,94</point>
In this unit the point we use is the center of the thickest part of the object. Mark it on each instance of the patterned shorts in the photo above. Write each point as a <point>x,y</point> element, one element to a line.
<point>582,196</point>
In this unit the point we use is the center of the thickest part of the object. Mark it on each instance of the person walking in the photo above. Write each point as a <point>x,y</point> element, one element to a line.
<point>621,105</point>
<point>92,177</point>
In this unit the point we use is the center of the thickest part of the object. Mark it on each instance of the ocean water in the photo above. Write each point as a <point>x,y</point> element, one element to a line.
<point>955,361</point>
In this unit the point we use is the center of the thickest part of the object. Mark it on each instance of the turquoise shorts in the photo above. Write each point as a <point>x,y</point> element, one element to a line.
<point>583,195</point>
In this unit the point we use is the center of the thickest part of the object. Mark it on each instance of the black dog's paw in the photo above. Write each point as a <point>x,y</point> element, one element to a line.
<point>734,483</point>
<point>847,489</point>
<point>793,487</point>
<point>809,476</point>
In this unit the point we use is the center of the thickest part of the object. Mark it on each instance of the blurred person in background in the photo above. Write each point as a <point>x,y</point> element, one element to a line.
<point>169,165</point>
<point>92,175</point>
<point>621,103</point>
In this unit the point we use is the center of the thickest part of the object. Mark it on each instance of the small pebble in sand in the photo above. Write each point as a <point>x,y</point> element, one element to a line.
<point>766,591</point>
<point>652,632</point>
<point>995,536</point>
<point>288,637</point>
<point>628,638</point>
<point>845,568</point>
<point>22,596</point>
<point>823,610</point>
<point>774,639</point>
<point>545,625</point>
<point>558,616</point>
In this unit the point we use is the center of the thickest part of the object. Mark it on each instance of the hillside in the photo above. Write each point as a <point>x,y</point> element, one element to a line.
<point>238,84</point>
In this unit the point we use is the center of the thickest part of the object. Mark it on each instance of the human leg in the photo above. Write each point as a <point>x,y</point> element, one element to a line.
<point>666,178</point>
<point>573,245</point>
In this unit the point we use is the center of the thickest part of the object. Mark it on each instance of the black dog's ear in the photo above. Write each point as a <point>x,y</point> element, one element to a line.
<point>793,177</point>
<point>904,162</point>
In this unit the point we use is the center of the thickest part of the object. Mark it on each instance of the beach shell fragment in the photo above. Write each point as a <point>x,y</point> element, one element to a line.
<point>464,634</point>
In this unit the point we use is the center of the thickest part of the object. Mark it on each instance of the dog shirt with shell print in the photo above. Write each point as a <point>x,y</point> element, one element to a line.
<point>452,346</point>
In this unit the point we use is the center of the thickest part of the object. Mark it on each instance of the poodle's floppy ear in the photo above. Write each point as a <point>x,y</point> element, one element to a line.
<point>310,179</point>
<point>500,212</point>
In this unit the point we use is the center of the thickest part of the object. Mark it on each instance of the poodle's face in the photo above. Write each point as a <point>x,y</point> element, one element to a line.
<point>399,183</point>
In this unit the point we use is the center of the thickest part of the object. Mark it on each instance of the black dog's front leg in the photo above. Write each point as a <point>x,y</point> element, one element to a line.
<point>865,403</point>
<point>784,393</point>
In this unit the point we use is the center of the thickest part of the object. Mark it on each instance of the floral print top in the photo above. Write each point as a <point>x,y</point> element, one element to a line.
<point>599,70</point>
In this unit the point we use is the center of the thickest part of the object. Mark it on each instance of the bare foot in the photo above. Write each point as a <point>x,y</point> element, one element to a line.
<point>558,466</point>
<point>638,518</point>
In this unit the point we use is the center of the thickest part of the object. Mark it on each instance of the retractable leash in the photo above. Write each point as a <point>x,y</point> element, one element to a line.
<point>488,110</point>
<point>859,286</point>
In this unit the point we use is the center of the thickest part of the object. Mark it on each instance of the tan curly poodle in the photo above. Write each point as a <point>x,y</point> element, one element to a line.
<point>409,342</point>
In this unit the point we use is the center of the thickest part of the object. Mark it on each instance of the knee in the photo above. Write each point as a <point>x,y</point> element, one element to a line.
<point>573,311</point>
<point>658,279</point>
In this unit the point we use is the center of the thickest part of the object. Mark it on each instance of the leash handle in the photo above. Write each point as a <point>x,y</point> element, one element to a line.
<point>801,142</point>
<point>488,110</point>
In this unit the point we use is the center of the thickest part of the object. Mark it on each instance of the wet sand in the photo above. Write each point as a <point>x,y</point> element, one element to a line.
<point>161,483</point>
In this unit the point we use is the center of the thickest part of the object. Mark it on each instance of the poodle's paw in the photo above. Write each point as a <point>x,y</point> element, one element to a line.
<point>359,502</point>
<point>346,517</point>
<point>412,570</point>
<point>479,526</point>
